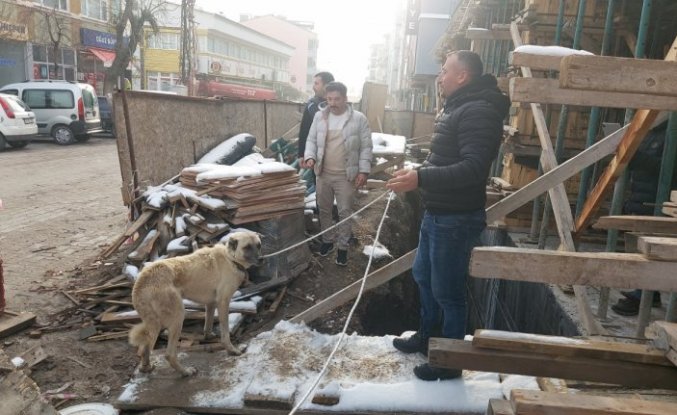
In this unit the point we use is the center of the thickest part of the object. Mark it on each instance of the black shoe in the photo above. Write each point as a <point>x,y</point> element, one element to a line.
<point>342,257</point>
<point>326,248</point>
<point>626,307</point>
<point>655,302</point>
<point>412,344</point>
<point>427,372</point>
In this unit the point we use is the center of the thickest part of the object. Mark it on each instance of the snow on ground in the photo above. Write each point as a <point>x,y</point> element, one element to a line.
<point>388,143</point>
<point>511,382</point>
<point>550,50</point>
<point>368,372</point>
<point>379,250</point>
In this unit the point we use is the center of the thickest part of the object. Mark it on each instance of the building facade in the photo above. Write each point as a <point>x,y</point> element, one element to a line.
<point>299,35</point>
<point>235,55</point>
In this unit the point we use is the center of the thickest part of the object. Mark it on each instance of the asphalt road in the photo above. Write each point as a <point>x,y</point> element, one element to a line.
<point>61,204</point>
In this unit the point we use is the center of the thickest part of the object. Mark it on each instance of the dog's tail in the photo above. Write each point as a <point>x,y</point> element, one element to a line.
<point>139,335</point>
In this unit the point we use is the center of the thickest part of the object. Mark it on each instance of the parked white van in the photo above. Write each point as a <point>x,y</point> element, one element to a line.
<point>68,111</point>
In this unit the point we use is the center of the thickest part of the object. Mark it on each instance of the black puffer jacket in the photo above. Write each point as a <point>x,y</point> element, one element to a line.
<point>312,106</point>
<point>466,140</point>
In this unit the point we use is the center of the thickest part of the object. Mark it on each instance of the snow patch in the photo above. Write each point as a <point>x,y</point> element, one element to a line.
<point>388,143</point>
<point>550,50</point>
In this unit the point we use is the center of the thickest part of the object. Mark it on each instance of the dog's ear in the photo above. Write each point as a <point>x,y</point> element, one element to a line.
<point>232,244</point>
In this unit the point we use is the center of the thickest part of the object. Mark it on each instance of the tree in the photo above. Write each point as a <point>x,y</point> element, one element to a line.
<point>57,30</point>
<point>129,25</point>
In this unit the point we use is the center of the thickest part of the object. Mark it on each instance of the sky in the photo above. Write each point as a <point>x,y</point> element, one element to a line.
<point>345,29</point>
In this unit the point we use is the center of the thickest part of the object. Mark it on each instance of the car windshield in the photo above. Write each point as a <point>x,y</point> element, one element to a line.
<point>16,104</point>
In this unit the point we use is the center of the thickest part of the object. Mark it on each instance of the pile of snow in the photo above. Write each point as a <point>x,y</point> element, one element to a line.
<point>550,50</point>
<point>388,144</point>
<point>250,167</point>
<point>379,251</point>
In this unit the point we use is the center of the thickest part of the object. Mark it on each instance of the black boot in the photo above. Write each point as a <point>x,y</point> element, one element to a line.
<point>626,306</point>
<point>413,344</point>
<point>427,372</point>
<point>656,301</point>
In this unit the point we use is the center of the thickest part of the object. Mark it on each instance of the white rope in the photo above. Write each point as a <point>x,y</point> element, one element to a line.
<point>350,315</point>
<point>289,248</point>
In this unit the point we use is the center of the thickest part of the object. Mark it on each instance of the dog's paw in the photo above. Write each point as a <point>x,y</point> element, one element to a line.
<point>234,350</point>
<point>188,371</point>
<point>146,369</point>
<point>209,336</point>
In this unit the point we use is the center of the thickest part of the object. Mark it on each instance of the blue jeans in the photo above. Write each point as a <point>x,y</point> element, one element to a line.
<point>441,268</point>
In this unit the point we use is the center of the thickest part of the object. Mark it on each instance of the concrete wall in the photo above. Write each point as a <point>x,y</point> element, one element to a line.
<point>170,132</point>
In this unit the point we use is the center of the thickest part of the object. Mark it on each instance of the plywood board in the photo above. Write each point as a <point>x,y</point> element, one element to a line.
<point>11,323</point>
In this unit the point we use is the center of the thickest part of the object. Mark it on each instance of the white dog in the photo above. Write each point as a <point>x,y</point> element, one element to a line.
<point>209,276</point>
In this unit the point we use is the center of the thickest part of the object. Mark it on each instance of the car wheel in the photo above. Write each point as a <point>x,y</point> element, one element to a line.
<point>3,142</point>
<point>63,135</point>
<point>18,144</point>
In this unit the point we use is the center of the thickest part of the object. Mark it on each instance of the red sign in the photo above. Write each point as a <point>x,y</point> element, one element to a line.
<point>211,89</point>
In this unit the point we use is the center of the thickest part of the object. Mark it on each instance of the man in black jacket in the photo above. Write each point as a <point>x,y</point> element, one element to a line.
<point>320,80</point>
<point>452,182</point>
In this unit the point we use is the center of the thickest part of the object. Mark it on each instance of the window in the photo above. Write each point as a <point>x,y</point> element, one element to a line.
<point>88,99</point>
<point>96,9</point>
<point>11,92</point>
<point>47,98</point>
<point>44,59</point>
<point>168,41</point>
<point>162,81</point>
<point>54,4</point>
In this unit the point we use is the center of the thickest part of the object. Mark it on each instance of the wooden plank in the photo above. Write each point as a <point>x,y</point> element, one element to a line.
<point>559,200</point>
<point>499,407</point>
<point>604,269</point>
<point>626,150</point>
<point>534,61</point>
<point>663,334</point>
<point>531,402</point>
<point>459,354</point>
<point>644,224</point>
<point>658,248</point>
<point>11,323</point>
<point>566,346</point>
<point>374,279</point>
<point>548,91</point>
<point>613,74</point>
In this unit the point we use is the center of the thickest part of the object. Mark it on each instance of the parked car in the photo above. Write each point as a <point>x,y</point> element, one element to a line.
<point>68,111</point>
<point>17,122</point>
<point>106,114</point>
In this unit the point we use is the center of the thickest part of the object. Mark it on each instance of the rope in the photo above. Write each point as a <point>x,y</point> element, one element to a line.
<point>350,315</point>
<point>289,248</point>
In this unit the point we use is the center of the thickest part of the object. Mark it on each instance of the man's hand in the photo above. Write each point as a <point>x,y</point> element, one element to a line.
<point>360,180</point>
<point>302,163</point>
<point>310,163</point>
<point>403,181</point>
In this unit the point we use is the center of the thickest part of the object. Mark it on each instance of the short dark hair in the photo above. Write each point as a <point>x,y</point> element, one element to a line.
<point>338,87</point>
<point>326,77</point>
<point>471,61</point>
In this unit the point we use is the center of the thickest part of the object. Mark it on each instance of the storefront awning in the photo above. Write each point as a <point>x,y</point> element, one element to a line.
<point>106,56</point>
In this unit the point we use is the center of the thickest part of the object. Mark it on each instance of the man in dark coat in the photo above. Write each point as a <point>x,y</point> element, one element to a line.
<point>320,81</point>
<point>452,182</point>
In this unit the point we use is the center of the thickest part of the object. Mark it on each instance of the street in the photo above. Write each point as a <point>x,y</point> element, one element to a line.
<point>61,204</point>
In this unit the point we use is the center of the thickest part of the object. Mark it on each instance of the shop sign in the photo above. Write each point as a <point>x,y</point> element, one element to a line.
<point>97,39</point>
<point>13,31</point>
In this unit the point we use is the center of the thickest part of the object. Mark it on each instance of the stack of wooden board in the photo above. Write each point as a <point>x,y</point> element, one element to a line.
<point>633,365</point>
<point>532,402</point>
<point>664,336</point>
<point>251,198</point>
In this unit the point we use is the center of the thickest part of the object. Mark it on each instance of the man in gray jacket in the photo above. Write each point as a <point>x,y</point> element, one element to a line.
<point>338,149</point>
